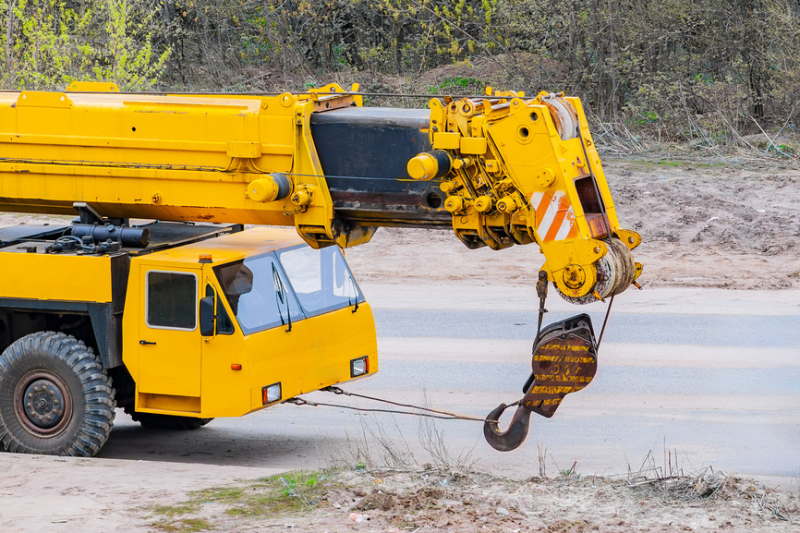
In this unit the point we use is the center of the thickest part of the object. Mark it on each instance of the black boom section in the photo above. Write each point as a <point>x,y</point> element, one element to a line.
<point>364,152</point>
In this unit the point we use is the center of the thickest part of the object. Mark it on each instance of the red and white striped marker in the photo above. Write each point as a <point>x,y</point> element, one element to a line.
<point>555,218</point>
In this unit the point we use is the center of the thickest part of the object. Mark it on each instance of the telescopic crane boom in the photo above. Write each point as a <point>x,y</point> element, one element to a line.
<point>502,169</point>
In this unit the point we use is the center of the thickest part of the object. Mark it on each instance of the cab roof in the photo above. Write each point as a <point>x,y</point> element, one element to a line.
<point>231,247</point>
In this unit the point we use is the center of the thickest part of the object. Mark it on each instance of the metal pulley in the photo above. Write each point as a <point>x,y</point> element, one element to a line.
<point>564,116</point>
<point>616,271</point>
<point>564,361</point>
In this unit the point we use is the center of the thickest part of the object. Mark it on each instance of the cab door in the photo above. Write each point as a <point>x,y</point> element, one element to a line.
<point>169,336</point>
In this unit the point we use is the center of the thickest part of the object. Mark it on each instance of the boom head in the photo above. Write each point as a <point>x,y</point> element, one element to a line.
<point>522,170</point>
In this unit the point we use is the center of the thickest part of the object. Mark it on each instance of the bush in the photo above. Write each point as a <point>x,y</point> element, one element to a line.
<point>675,70</point>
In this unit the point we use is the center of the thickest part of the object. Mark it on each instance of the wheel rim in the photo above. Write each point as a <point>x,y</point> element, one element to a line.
<point>43,403</point>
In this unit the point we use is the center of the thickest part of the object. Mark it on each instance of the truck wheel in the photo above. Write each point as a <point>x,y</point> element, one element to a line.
<point>154,421</point>
<point>55,397</point>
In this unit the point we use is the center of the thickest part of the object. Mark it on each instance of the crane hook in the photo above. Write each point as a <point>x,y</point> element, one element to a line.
<point>564,361</point>
<point>513,437</point>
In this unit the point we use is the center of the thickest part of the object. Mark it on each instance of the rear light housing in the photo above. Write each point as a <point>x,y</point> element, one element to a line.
<point>359,367</point>
<point>271,393</point>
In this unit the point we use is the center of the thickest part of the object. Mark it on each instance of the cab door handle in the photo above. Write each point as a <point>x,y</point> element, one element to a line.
<point>143,342</point>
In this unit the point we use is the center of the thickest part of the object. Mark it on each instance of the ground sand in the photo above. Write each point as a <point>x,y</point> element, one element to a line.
<point>703,225</point>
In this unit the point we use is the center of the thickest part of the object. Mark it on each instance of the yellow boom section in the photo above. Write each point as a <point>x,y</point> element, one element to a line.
<point>163,157</point>
<point>502,170</point>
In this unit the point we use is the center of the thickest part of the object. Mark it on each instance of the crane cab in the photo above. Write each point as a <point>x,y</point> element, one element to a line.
<point>229,326</point>
<point>204,321</point>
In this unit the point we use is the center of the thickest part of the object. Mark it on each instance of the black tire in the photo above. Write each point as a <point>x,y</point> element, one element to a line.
<point>55,397</point>
<point>154,421</point>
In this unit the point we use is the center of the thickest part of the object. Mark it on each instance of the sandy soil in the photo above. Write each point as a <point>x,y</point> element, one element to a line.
<point>434,500</point>
<point>732,226</point>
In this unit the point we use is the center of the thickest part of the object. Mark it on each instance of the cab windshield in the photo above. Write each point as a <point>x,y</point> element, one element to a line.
<point>269,290</point>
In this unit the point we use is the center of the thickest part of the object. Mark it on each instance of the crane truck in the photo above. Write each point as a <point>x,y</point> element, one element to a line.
<point>203,276</point>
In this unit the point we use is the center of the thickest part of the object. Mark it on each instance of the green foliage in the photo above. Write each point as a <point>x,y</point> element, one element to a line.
<point>128,58</point>
<point>457,85</point>
<point>459,82</point>
<point>677,70</point>
<point>34,42</point>
<point>671,68</point>
<point>290,482</point>
<point>327,35</point>
<point>46,44</point>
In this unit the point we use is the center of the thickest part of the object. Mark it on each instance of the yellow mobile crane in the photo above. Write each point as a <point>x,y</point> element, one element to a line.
<point>185,315</point>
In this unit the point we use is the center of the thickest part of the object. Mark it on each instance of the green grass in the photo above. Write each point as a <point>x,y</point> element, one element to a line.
<point>286,494</point>
<point>184,525</point>
<point>174,510</point>
<point>220,494</point>
<point>696,164</point>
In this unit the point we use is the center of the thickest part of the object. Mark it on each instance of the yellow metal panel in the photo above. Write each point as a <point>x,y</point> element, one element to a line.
<point>169,359</point>
<point>270,356</point>
<point>446,141</point>
<point>473,145</point>
<point>226,392</point>
<point>256,240</point>
<point>342,336</point>
<point>134,308</point>
<point>78,148</point>
<point>165,402</point>
<point>93,86</point>
<point>56,277</point>
<point>249,150</point>
<point>256,398</point>
<point>47,100</point>
<point>155,156</point>
<point>137,193</point>
<point>315,354</point>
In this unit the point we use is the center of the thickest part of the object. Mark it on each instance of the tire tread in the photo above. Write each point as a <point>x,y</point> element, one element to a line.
<point>99,404</point>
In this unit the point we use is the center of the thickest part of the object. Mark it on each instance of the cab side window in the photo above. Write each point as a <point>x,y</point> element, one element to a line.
<point>258,293</point>
<point>171,300</point>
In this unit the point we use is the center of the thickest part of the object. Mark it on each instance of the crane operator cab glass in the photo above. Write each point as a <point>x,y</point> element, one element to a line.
<point>264,318</point>
<point>283,287</point>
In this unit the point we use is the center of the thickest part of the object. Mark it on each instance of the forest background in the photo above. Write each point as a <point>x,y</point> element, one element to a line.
<point>707,75</point>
